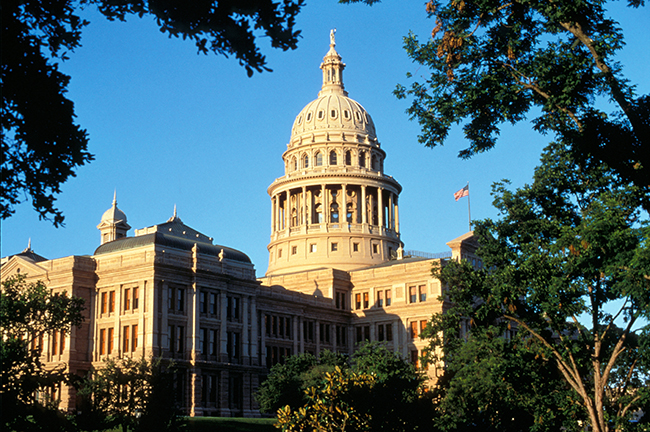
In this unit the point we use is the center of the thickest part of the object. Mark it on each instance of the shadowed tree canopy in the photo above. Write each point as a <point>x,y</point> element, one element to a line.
<point>41,144</point>
<point>558,314</point>
<point>493,62</point>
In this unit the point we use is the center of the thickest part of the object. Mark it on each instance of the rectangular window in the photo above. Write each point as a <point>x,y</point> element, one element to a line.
<point>413,294</point>
<point>335,247</point>
<point>415,360</point>
<point>180,305</point>
<point>179,339</point>
<point>203,337</point>
<point>375,248</point>
<point>127,299</point>
<point>355,247</point>
<point>111,302</point>
<point>341,335</point>
<point>366,300</point>
<point>357,301</point>
<point>312,247</point>
<point>422,290</point>
<point>104,303</point>
<point>279,253</point>
<point>109,342</point>
<point>414,329</point>
<point>125,339</point>
<point>287,328</point>
<point>172,340</point>
<point>294,250</point>
<point>423,325</point>
<point>136,297</point>
<point>203,302</point>
<point>388,298</point>
<point>380,332</point>
<point>389,332</point>
<point>340,300</point>
<point>213,303</point>
<point>233,346</point>
<point>171,299</point>
<point>380,298</point>
<point>134,337</point>
<point>214,343</point>
<point>102,342</point>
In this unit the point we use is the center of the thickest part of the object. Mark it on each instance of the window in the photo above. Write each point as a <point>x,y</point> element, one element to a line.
<point>335,247</point>
<point>294,250</point>
<point>213,304</point>
<point>312,247</point>
<point>176,339</point>
<point>366,300</point>
<point>423,325</point>
<point>180,300</point>
<point>333,113</point>
<point>357,301</point>
<point>348,158</point>
<point>125,339</point>
<point>363,333</point>
<point>375,248</point>
<point>109,341</point>
<point>55,342</point>
<point>127,299</point>
<point>308,330</point>
<point>179,339</point>
<point>294,164</point>
<point>414,329</point>
<point>233,346</point>
<point>333,158</point>
<point>380,332</point>
<point>380,298</point>
<point>325,333</point>
<point>340,300</point>
<point>355,247</point>
<point>102,341</point>
<point>134,337</point>
<point>203,340</point>
<point>415,360</point>
<point>214,342</point>
<point>412,294</point>
<point>104,307</point>
<point>309,117</point>
<point>136,297</point>
<point>422,291</point>
<point>388,297</point>
<point>232,312</point>
<point>279,253</point>
<point>346,114</point>
<point>362,159</point>
<point>203,302</point>
<point>111,302</point>
<point>305,161</point>
<point>341,335</point>
<point>321,114</point>
<point>319,159</point>
<point>389,332</point>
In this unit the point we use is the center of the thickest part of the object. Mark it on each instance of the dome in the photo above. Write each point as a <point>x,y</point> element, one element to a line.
<point>333,112</point>
<point>113,214</point>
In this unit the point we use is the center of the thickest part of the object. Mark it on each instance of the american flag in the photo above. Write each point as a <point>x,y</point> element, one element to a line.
<point>462,193</point>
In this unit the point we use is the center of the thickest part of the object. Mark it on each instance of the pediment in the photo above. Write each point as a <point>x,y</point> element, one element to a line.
<point>19,265</point>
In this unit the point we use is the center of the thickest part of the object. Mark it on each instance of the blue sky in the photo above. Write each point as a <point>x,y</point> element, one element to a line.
<point>171,127</point>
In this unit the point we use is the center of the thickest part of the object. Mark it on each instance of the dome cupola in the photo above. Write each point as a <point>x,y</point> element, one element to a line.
<point>113,224</point>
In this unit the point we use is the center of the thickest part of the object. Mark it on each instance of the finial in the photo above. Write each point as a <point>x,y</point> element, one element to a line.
<point>29,246</point>
<point>332,38</point>
<point>174,211</point>
<point>115,198</point>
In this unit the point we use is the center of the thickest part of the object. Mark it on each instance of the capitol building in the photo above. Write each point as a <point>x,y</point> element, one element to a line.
<point>338,273</point>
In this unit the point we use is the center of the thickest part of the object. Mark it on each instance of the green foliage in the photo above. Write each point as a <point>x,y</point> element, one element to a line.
<point>494,62</point>
<point>28,311</point>
<point>135,394</point>
<point>376,390</point>
<point>566,281</point>
<point>41,145</point>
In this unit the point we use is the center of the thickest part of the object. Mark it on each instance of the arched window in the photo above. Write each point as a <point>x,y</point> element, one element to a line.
<point>319,159</point>
<point>294,163</point>
<point>362,159</point>
<point>333,158</point>
<point>375,163</point>
<point>305,161</point>
<point>348,158</point>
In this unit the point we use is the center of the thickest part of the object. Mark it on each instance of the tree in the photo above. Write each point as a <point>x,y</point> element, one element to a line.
<point>29,311</point>
<point>41,144</point>
<point>567,270</point>
<point>134,394</point>
<point>288,381</point>
<point>495,61</point>
<point>376,389</point>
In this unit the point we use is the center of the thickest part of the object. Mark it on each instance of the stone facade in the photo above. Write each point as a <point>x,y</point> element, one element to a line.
<point>338,274</point>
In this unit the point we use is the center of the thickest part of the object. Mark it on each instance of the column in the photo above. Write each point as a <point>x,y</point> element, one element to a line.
<point>364,210</point>
<point>287,211</point>
<point>324,205</point>
<point>380,206</point>
<point>391,221</point>
<point>272,215</point>
<point>304,206</point>
<point>343,211</point>
<point>396,215</point>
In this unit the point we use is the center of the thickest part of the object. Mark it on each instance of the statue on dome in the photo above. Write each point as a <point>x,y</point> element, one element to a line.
<point>332,39</point>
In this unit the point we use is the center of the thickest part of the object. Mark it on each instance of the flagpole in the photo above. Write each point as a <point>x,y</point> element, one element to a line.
<point>469,213</point>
